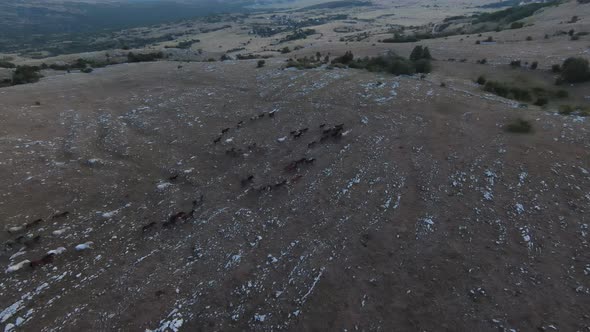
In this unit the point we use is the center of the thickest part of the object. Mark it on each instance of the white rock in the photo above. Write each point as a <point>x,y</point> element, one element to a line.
<point>57,251</point>
<point>18,266</point>
<point>84,246</point>
<point>163,185</point>
<point>110,214</point>
<point>519,208</point>
<point>59,231</point>
<point>15,229</point>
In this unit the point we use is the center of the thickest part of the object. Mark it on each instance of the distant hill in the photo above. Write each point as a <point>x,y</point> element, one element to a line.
<point>20,19</point>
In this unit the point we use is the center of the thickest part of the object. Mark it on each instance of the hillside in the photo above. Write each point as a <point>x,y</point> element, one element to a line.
<point>235,196</point>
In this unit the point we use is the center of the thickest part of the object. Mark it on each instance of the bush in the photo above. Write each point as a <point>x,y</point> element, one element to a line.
<point>423,66</point>
<point>515,63</point>
<point>516,25</point>
<point>506,91</point>
<point>541,101</point>
<point>534,65</point>
<point>26,74</point>
<point>286,50</point>
<point>397,38</point>
<point>303,63</point>
<point>146,57</point>
<point>391,63</point>
<point>519,126</point>
<point>556,68</point>
<point>482,61</point>
<point>87,70</point>
<point>529,38</point>
<point>420,52</point>
<point>298,34</point>
<point>260,63</point>
<point>512,14</point>
<point>575,70</point>
<point>6,64</point>
<point>561,94</point>
<point>481,80</point>
<point>345,59</point>
<point>566,109</point>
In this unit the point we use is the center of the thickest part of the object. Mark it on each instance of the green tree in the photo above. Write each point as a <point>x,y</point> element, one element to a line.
<point>575,70</point>
<point>417,53</point>
<point>426,53</point>
<point>423,66</point>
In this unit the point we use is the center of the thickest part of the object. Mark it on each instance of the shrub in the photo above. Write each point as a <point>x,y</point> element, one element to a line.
<point>506,91</point>
<point>420,52</point>
<point>481,80</point>
<point>423,66</point>
<point>56,66</point>
<point>225,57</point>
<point>516,25</point>
<point>397,38</point>
<point>515,63</point>
<point>416,53</point>
<point>87,70</point>
<point>303,63</point>
<point>534,65</point>
<point>512,14</point>
<point>529,38</point>
<point>286,50</point>
<point>401,66</point>
<point>482,61</point>
<point>260,63</point>
<point>556,68</point>
<point>391,63</point>
<point>566,109</point>
<point>6,64</point>
<point>575,70</point>
<point>26,74</point>
<point>298,34</point>
<point>426,54</point>
<point>146,57</point>
<point>541,101</point>
<point>561,94</point>
<point>345,59</point>
<point>519,126</point>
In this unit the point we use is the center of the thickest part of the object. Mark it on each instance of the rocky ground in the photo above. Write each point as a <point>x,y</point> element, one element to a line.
<point>218,196</point>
